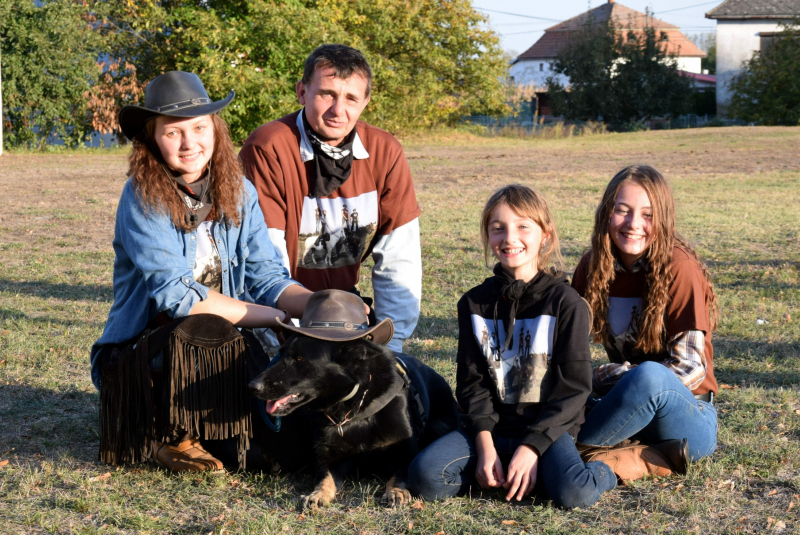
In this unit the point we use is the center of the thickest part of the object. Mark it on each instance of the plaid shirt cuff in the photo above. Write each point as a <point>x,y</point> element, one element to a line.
<point>606,376</point>
<point>686,359</point>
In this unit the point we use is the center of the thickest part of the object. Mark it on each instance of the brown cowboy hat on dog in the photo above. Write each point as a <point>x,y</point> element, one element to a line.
<point>338,316</point>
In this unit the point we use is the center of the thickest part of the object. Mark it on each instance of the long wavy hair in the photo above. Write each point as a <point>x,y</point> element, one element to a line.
<point>526,202</point>
<point>663,238</point>
<point>157,194</point>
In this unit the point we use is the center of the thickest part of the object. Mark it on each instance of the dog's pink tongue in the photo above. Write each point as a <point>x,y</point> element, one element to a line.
<point>272,406</point>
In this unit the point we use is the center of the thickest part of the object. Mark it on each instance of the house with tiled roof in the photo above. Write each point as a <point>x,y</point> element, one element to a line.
<point>745,27</point>
<point>534,66</point>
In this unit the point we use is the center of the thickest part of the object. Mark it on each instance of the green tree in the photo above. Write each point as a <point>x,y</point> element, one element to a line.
<point>622,76</point>
<point>433,60</point>
<point>588,61</point>
<point>49,53</point>
<point>768,90</point>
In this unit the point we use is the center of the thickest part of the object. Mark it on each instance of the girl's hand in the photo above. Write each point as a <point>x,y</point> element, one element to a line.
<point>489,471</point>
<point>278,327</point>
<point>522,472</point>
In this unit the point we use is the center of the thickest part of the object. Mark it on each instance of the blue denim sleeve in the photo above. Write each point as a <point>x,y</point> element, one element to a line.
<point>397,281</point>
<point>265,275</point>
<point>157,249</point>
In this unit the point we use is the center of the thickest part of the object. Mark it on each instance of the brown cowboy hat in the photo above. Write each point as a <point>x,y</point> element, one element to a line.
<point>338,316</point>
<point>175,94</point>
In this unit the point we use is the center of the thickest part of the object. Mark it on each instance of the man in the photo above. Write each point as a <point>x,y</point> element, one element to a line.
<point>319,160</point>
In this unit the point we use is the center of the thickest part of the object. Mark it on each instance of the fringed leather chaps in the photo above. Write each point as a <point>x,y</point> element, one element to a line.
<point>126,406</point>
<point>204,391</point>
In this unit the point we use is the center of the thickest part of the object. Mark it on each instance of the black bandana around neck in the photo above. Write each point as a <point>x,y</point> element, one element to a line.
<point>520,294</point>
<point>333,164</point>
<point>196,197</point>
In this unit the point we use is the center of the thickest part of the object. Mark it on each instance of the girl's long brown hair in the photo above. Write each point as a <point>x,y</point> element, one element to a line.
<point>663,239</point>
<point>156,193</point>
<point>526,202</point>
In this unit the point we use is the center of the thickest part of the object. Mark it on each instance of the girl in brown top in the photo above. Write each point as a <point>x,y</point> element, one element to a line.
<point>654,311</point>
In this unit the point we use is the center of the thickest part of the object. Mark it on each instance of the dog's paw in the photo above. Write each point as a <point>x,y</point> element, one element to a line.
<point>315,500</point>
<point>396,497</point>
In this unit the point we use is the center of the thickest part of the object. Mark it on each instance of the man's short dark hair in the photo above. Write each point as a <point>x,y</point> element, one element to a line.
<point>344,60</point>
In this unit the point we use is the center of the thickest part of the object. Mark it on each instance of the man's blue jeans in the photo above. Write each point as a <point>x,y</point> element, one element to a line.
<point>650,404</point>
<point>446,468</point>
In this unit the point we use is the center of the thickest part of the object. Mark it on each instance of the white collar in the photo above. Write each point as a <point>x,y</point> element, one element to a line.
<point>307,153</point>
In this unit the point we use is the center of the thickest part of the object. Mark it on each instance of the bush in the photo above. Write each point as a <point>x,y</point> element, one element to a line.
<point>48,62</point>
<point>768,89</point>
<point>433,60</point>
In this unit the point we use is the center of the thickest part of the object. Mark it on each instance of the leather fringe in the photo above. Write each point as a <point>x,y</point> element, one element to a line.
<point>206,396</point>
<point>126,407</point>
<point>208,391</point>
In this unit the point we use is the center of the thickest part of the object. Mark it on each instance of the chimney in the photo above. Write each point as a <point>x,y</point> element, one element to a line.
<point>610,1</point>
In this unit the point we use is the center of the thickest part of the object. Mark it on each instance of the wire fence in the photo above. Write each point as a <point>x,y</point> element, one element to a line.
<point>525,124</point>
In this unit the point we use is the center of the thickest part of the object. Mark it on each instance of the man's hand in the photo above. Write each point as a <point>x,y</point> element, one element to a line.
<point>489,471</point>
<point>522,472</point>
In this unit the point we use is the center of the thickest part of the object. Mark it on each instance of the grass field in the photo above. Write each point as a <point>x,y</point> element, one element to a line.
<point>738,192</point>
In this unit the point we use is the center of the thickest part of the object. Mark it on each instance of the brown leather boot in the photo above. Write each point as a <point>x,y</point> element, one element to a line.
<point>677,452</point>
<point>635,460</point>
<point>185,456</point>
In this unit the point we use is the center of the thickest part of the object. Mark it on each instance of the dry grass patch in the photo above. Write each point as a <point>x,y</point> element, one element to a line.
<point>737,191</point>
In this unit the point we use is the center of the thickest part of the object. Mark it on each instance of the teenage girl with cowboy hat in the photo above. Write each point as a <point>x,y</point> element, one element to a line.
<point>654,311</point>
<point>193,264</point>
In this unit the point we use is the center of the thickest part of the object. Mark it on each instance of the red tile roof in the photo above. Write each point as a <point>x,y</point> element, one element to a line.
<point>755,9</point>
<point>556,37</point>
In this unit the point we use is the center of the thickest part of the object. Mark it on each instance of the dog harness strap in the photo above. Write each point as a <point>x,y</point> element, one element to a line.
<point>380,402</point>
<point>403,371</point>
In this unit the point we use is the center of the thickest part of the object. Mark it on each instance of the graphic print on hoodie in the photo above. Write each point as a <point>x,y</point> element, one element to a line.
<point>520,372</point>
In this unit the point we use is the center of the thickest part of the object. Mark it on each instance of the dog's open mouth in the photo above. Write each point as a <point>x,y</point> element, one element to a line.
<point>283,406</point>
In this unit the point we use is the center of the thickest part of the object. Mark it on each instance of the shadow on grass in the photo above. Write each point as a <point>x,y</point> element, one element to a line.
<point>70,292</point>
<point>757,351</point>
<point>39,422</point>
<point>14,314</point>
<point>713,264</point>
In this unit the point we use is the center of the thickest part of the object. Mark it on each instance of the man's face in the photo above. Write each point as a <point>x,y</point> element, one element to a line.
<point>333,105</point>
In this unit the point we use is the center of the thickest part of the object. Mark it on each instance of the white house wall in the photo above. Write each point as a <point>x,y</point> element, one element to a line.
<point>690,65</point>
<point>527,72</point>
<point>736,42</point>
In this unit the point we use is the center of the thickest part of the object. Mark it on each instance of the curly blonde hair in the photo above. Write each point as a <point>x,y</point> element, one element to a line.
<point>156,193</point>
<point>526,202</point>
<point>664,238</point>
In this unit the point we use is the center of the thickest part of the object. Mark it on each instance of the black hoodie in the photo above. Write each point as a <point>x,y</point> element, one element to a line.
<point>535,385</point>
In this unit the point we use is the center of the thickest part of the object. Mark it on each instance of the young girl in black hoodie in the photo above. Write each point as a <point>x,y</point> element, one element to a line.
<point>524,370</point>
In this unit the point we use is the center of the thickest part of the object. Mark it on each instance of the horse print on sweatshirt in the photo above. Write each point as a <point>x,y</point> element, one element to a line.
<point>521,368</point>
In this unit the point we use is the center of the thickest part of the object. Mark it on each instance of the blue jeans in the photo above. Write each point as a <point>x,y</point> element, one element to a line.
<point>446,468</point>
<point>650,403</point>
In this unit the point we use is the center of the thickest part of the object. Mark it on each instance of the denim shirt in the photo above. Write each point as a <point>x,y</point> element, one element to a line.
<point>154,262</point>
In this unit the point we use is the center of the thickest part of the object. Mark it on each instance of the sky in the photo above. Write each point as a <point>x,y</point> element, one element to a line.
<point>518,33</point>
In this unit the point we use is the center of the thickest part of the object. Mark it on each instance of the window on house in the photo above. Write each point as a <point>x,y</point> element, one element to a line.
<point>767,38</point>
<point>541,67</point>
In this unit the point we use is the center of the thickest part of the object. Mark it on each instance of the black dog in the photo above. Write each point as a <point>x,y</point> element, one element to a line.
<point>369,409</point>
